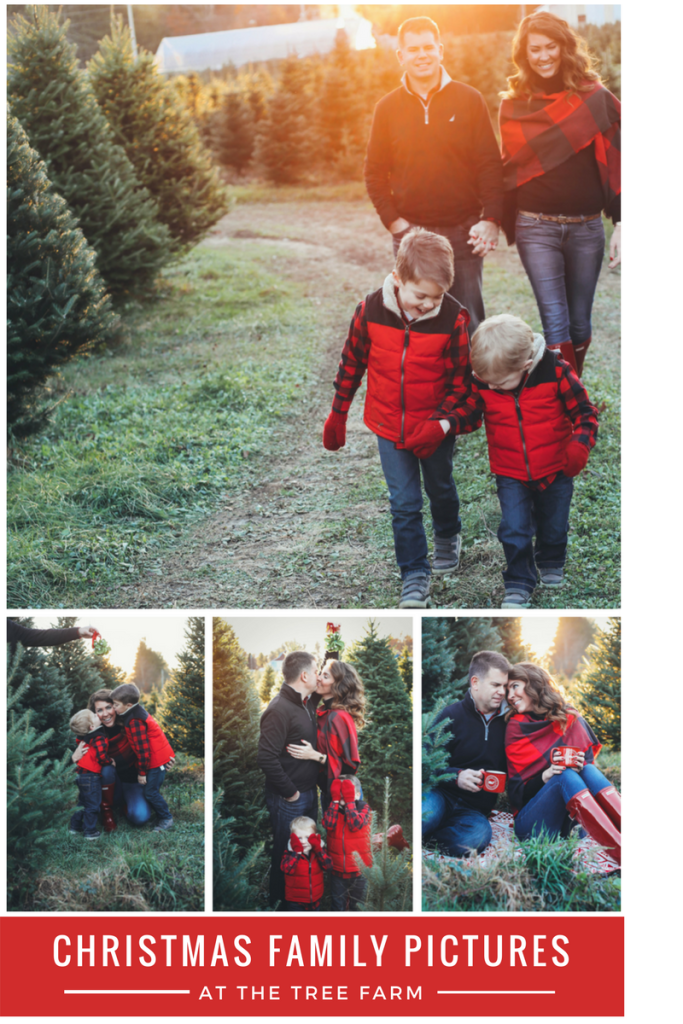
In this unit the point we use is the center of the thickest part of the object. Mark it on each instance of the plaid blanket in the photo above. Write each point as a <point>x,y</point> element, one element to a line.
<point>529,742</point>
<point>540,133</point>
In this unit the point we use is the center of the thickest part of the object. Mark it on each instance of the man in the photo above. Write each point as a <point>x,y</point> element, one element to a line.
<point>433,161</point>
<point>29,637</point>
<point>454,815</point>
<point>290,782</point>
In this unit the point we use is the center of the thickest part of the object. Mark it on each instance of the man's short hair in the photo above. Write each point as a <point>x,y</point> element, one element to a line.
<point>485,660</point>
<point>424,256</point>
<point>127,693</point>
<point>295,663</point>
<point>501,344</point>
<point>82,722</point>
<point>418,25</point>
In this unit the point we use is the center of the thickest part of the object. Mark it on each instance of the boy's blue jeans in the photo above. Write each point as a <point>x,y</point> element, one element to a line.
<point>455,828</point>
<point>155,780</point>
<point>89,799</point>
<point>402,473</point>
<point>526,513</point>
<point>547,811</point>
<point>347,893</point>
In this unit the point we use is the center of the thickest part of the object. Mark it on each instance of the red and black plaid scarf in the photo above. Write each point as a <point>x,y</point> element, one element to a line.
<point>337,737</point>
<point>540,133</point>
<point>529,742</point>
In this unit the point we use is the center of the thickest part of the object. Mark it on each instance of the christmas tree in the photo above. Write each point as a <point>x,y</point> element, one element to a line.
<point>599,688</point>
<point>405,667</point>
<point>159,137</point>
<point>236,718</point>
<point>56,301</point>
<point>235,872</point>
<point>266,683</point>
<point>573,635</point>
<point>285,141</point>
<point>343,124</point>
<point>233,132</point>
<point>389,876</point>
<point>77,667</point>
<point>435,757</point>
<point>512,645</point>
<point>47,696</point>
<point>182,703</point>
<point>385,744</point>
<point>150,670</point>
<point>59,113</point>
<point>448,646</point>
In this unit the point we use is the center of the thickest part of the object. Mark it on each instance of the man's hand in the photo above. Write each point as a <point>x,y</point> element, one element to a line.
<point>142,779</point>
<point>397,226</point>
<point>615,247</point>
<point>334,431</point>
<point>335,790</point>
<point>470,780</point>
<point>348,791</point>
<point>291,799</point>
<point>295,843</point>
<point>87,631</point>
<point>425,440</point>
<point>483,237</point>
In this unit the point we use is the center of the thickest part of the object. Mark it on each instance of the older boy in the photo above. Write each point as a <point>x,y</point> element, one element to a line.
<point>152,750</point>
<point>86,726</point>
<point>540,428</point>
<point>411,336</point>
<point>348,821</point>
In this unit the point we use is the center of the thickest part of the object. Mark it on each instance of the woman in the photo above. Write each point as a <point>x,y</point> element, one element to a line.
<point>340,715</point>
<point>119,784</point>
<point>560,137</point>
<point>545,795</point>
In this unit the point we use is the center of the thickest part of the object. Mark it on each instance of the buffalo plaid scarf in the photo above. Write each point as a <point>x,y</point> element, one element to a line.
<point>338,739</point>
<point>539,134</point>
<point>529,742</point>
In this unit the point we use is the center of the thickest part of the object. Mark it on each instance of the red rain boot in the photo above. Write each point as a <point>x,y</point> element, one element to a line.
<point>580,354</point>
<point>397,839</point>
<point>584,808</point>
<point>106,808</point>
<point>567,351</point>
<point>610,801</point>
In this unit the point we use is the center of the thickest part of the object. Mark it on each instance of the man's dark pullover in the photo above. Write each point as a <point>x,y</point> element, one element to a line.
<point>287,720</point>
<point>437,168</point>
<point>474,744</point>
<point>27,637</point>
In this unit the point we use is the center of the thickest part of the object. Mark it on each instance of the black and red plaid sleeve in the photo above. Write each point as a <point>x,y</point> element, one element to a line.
<point>289,861</point>
<point>100,748</point>
<point>457,369</point>
<point>353,362</point>
<point>324,859</point>
<point>331,815</point>
<point>581,411</point>
<point>139,741</point>
<point>356,817</point>
<point>465,410</point>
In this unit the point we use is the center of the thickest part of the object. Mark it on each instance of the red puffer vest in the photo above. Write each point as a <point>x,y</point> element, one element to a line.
<point>162,751</point>
<point>528,429</point>
<point>342,843</point>
<point>407,375</point>
<point>307,884</point>
<point>89,762</point>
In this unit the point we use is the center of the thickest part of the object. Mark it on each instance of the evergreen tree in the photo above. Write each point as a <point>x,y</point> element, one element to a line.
<point>385,744</point>
<point>405,667</point>
<point>235,872</point>
<point>63,122</point>
<point>574,634</point>
<point>389,876</point>
<point>47,696</point>
<point>343,123</point>
<point>435,757</point>
<point>448,646</point>
<point>284,144</point>
<point>150,670</point>
<point>158,136</point>
<point>236,718</point>
<point>599,688</point>
<point>512,645</point>
<point>266,683</point>
<point>110,675</point>
<point>56,302</point>
<point>233,132</point>
<point>76,666</point>
<point>182,704</point>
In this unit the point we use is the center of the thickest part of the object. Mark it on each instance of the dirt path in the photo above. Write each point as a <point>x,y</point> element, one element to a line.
<point>304,532</point>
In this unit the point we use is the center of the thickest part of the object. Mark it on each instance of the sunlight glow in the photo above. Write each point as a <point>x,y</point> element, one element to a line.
<point>539,633</point>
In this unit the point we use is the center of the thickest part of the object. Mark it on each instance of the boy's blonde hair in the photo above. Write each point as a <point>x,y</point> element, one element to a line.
<point>424,256</point>
<point>501,344</point>
<point>304,823</point>
<point>84,722</point>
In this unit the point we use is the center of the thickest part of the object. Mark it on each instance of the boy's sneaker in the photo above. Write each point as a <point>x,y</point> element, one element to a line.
<point>93,835</point>
<point>551,577</point>
<point>75,831</point>
<point>516,598</point>
<point>415,591</point>
<point>446,554</point>
<point>163,825</point>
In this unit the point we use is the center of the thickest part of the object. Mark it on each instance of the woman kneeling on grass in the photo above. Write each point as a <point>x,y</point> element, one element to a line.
<point>548,784</point>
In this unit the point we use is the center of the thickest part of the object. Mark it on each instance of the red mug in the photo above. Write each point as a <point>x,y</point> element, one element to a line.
<point>568,756</point>
<point>494,782</point>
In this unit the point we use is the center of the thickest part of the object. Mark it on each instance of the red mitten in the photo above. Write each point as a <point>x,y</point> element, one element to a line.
<point>575,458</point>
<point>296,843</point>
<point>315,839</point>
<point>424,441</point>
<point>348,791</point>
<point>335,790</point>
<point>397,839</point>
<point>334,431</point>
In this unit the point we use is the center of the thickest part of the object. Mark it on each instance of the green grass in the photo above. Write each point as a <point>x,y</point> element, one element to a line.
<point>132,869</point>
<point>262,192</point>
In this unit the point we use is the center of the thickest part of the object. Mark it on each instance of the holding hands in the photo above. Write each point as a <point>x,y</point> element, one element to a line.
<point>424,441</point>
<point>615,247</point>
<point>483,237</point>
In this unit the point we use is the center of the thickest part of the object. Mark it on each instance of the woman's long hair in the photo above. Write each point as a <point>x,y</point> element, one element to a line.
<point>540,687</point>
<point>577,65</point>
<point>347,691</point>
<point>99,695</point>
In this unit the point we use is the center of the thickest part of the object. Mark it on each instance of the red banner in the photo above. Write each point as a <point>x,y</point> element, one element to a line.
<point>310,965</point>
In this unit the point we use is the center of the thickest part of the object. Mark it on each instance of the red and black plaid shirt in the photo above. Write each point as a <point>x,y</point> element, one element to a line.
<point>136,731</point>
<point>99,747</point>
<point>356,817</point>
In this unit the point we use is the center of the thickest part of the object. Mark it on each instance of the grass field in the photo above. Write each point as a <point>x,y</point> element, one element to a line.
<point>184,468</point>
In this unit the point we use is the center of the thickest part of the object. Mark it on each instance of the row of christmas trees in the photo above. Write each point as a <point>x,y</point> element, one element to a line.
<point>108,181</point>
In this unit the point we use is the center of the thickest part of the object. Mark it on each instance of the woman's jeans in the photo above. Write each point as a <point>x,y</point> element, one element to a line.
<point>282,814</point>
<point>402,473</point>
<point>525,514</point>
<point>130,794</point>
<point>563,263</point>
<point>547,811</point>
<point>456,829</point>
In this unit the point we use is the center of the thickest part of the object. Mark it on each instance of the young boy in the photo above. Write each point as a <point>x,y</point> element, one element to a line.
<point>86,725</point>
<point>348,820</point>
<point>540,428</point>
<point>411,336</point>
<point>304,862</point>
<point>152,749</point>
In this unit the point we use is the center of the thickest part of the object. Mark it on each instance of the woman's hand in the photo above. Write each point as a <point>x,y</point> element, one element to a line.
<point>580,760</point>
<point>78,752</point>
<point>306,752</point>
<point>555,769</point>
<point>615,247</point>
